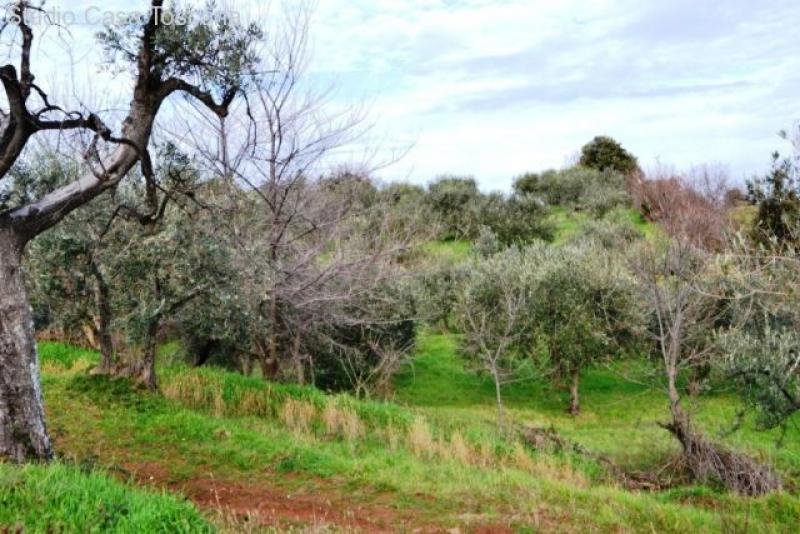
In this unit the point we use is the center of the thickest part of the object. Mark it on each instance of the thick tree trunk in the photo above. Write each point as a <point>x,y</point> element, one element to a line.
<point>148,371</point>
<point>23,435</point>
<point>574,393</point>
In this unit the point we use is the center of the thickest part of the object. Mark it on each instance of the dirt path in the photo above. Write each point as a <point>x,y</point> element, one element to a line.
<point>246,505</point>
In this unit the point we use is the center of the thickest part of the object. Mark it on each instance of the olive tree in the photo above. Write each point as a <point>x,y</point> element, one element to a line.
<point>580,188</point>
<point>584,309</point>
<point>209,60</point>
<point>777,195</point>
<point>71,268</point>
<point>493,312</point>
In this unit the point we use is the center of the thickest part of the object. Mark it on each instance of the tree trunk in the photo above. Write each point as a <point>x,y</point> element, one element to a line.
<point>680,426</point>
<point>574,394</point>
<point>148,369</point>
<point>297,358</point>
<point>23,435</point>
<point>499,397</point>
<point>102,300</point>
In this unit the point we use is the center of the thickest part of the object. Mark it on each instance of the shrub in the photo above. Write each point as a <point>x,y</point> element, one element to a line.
<point>518,220</point>
<point>777,195</point>
<point>456,202</point>
<point>604,153</point>
<point>610,234</point>
<point>576,187</point>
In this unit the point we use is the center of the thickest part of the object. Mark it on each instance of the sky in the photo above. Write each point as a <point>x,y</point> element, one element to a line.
<point>497,88</point>
<point>494,89</point>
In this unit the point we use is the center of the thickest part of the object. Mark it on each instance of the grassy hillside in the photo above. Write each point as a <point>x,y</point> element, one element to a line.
<point>62,498</point>
<point>252,453</point>
<point>567,223</point>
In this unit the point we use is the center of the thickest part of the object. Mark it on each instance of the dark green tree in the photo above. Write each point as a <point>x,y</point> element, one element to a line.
<point>776,194</point>
<point>604,153</point>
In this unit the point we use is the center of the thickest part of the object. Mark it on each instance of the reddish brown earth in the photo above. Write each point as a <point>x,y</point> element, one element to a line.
<point>262,505</point>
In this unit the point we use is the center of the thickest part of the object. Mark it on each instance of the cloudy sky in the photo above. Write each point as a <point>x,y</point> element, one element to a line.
<point>495,88</point>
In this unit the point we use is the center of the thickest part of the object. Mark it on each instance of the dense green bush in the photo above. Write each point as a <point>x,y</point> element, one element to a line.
<point>517,220</point>
<point>604,153</point>
<point>585,308</point>
<point>778,198</point>
<point>614,232</point>
<point>456,202</point>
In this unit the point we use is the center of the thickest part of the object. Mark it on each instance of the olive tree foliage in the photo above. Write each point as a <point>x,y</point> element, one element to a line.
<point>210,60</point>
<point>584,310</point>
<point>124,265</point>
<point>456,202</point>
<point>764,367</point>
<point>461,210</point>
<point>615,232</point>
<point>604,153</point>
<point>493,312</point>
<point>166,270</point>
<point>579,188</point>
<point>71,268</point>
<point>759,343</point>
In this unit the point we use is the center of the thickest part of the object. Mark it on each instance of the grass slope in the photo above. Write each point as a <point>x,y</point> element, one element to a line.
<point>567,223</point>
<point>432,459</point>
<point>61,498</point>
<point>621,405</point>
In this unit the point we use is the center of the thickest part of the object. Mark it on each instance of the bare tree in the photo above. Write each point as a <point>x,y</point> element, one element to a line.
<point>164,60</point>
<point>316,243</point>
<point>676,274</point>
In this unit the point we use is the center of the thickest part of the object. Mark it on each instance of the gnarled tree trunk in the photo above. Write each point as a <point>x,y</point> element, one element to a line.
<point>23,434</point>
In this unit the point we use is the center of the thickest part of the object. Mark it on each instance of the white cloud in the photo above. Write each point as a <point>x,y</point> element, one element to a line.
<point>495,88</point>
<point>498,88</point>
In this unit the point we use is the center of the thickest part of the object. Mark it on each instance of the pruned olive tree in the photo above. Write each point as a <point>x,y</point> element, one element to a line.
<point>210,60</point>
<point>493,310</point>
<point>584,310</point>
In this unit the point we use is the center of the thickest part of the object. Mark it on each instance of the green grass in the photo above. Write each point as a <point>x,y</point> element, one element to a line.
<point>62,498</point>
<point>567,223</point>
<point>455,251</point>
<point>218,425</point>
<point>621,406</point>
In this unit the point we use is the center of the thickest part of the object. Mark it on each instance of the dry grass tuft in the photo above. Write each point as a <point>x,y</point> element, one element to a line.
<point>298,415</point>
<point>460,450</point>
<point>522,459</point>
<point>192,390</point>
<point>342,422</point>
<point>254,403</point>
<point>420,439</point>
